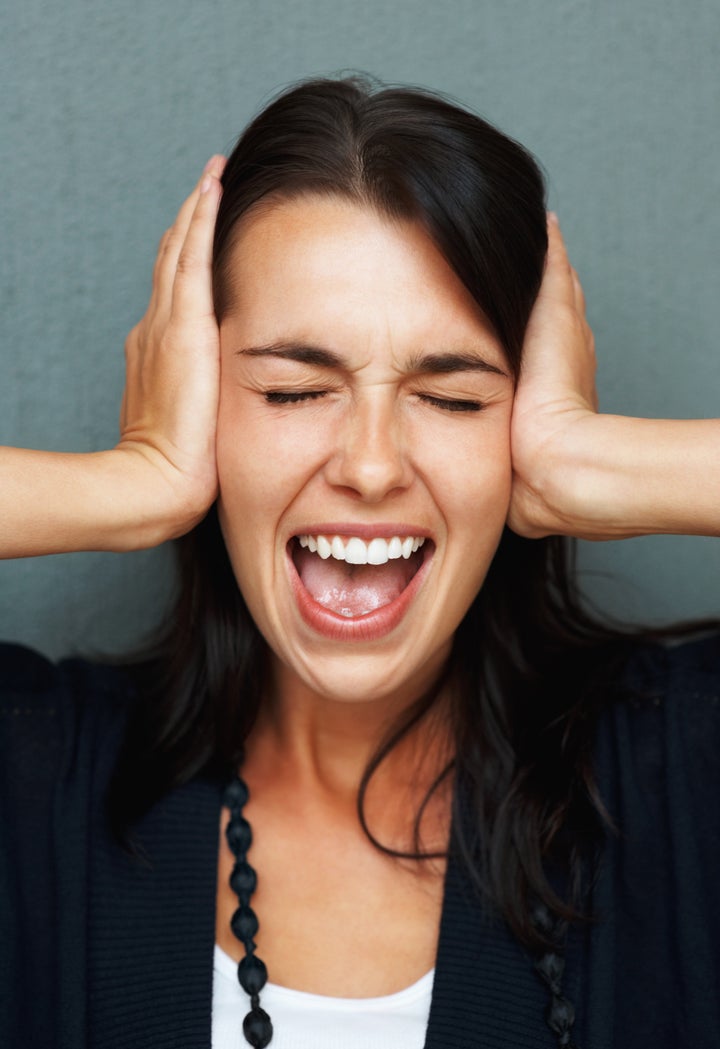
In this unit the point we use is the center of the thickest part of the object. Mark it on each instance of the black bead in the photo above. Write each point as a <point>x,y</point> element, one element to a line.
<point>252,974</point>
<point>560,1015</point>
<point>244,923</point>
<point>236,794</point>
<point>239,835</point>
<point>257,1028</point>
<point>551,967</point>
<point>542,918</point>
<point>243,880</point>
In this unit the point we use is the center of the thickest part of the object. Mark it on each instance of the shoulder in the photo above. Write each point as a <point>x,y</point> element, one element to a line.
<point>685,667</point>
<point>25,672</point>
<point>671,695</point>
<point>32,683</point>
<point>658,746</point>
<point>54,715</point>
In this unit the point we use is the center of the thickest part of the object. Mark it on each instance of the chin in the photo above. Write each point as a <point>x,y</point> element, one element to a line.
<point>391,678</point>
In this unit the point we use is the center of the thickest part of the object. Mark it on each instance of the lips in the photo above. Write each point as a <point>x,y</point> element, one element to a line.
<point>352,586</point>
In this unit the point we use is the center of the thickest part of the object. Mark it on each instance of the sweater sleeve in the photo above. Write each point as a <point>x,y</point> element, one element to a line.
<point>59,727</point>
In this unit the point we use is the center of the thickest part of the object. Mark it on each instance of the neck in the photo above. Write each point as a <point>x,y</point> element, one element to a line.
<point>315,750</point>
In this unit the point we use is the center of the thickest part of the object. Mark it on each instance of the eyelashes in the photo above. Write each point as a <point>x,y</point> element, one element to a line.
<point>291,397</point>
<point>284,397</point>
<point>452,406</point>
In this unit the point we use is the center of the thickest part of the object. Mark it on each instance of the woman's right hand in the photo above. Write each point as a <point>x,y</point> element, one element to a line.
<point>161,477</point>
<point>169,408</point>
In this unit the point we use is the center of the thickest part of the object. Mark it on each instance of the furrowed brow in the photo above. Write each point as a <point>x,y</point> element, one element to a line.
<point>446,363</point>
<point>295,351</point>
<point>429,363</point>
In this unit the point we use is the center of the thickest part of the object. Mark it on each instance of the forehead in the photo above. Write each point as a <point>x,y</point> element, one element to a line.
<point>313,263</point>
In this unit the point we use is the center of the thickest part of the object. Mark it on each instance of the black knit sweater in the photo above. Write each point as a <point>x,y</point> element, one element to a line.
<point>98,950</point>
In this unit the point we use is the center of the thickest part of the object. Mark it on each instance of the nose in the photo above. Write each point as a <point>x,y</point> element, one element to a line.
<point>369,457</point>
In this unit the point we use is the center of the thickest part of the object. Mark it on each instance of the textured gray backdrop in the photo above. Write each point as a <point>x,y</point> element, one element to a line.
<point>110,110</point>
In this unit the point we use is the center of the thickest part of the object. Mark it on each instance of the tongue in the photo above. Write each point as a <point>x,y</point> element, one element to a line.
<point>353,590</point>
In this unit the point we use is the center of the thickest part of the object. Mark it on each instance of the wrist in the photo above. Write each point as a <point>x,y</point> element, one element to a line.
<point>118,500</point>
<point>615,477</point>
<point>152,500</point>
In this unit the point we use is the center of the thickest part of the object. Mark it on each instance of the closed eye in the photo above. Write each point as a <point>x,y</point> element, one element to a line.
<point>452,406</point>
<point>296,396</point>
<point>292,396</point>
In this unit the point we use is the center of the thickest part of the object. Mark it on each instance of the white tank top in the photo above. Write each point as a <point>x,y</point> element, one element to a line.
<point>313,1021</point>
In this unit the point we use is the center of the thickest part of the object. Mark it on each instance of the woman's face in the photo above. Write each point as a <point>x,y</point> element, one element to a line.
<point>364,416</point>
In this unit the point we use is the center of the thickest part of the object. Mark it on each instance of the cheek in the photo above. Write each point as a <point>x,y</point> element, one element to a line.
<point>476,489</point>
<point>261,465</point>
<point>473,471</point>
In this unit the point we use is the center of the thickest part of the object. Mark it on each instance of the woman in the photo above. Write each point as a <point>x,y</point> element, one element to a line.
<point>459,783</point>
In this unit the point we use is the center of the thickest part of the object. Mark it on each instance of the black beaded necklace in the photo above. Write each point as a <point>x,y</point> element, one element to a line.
<point>252,973</point>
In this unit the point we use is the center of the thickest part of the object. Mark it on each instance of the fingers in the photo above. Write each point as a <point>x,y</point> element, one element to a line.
<point>192,289</point>
<point>558,352</point>
<point>566,273</point>
<point>195,224</point>
<point>578,293</point>
<point>170,247</point>
<point>561,281</point>
<point>157,268</point>
<point>557,279</point>
<point>173,239</point>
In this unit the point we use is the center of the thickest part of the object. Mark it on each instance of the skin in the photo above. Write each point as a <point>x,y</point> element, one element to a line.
<point>195,421</point>
<point>575,472</point>
<point>376,439</point>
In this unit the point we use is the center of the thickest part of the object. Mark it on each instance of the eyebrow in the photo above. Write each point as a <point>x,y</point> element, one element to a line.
<point>320,357</point>
<point>295,351</point>
<point>446,363</point>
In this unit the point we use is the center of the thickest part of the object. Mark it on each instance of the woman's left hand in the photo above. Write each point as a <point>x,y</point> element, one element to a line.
<point>555,397</point>
<point>591,475</point>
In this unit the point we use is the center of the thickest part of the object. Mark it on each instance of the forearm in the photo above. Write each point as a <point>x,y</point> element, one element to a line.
<point>613,477</point>
<point>52,502</point>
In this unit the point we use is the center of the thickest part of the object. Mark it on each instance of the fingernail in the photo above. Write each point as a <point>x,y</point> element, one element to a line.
<point>210,162</point>
<point>206,184</point>
<point>552,217</point>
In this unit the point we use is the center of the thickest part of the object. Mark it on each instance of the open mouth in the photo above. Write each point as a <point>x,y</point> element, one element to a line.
<point>354,577</point>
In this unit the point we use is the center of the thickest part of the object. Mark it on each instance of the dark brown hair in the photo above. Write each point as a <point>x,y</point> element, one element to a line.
<point>526,659</point>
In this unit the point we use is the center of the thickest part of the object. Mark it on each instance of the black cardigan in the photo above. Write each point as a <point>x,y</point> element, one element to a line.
<point>97,950</point>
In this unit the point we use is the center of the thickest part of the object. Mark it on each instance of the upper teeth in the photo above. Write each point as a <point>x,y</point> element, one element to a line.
<point>357,552</point>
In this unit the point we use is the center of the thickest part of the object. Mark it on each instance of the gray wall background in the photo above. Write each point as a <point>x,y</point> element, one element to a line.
<point>110,110</point>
